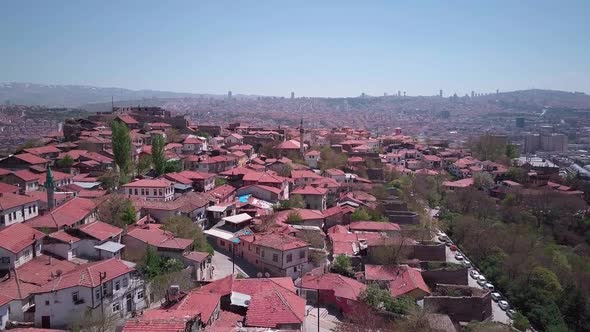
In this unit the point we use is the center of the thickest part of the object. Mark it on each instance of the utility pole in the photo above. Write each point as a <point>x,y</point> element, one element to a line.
<point>102,276</point>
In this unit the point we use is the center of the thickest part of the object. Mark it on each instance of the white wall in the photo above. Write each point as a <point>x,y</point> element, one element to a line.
<point>15,215</point>
<point>63,311</point>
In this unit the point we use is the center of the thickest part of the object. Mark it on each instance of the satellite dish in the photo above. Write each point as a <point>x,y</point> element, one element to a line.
<point>267,275</point>
<point>259,275</point>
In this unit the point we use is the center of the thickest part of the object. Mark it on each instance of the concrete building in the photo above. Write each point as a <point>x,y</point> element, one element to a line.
<point>151,190</point>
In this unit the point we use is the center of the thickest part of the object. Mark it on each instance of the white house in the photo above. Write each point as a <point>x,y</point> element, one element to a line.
<point>19,244</point>
<point>234,139</point>
<point>111,287</point>
<point>312,158</point>
<point>151,190</point>
<point>17,208</point>
<point>4,311</point>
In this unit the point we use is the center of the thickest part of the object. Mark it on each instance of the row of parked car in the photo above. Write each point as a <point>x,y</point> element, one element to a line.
<point>479,278</point>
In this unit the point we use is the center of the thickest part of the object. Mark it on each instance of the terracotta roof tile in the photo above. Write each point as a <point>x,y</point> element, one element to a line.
<point>17,237</point>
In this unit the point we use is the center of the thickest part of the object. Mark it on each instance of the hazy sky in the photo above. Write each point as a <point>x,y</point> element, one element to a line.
<point>315,48</point>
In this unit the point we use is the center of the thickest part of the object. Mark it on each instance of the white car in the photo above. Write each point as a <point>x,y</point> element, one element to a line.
<point>459,257</point>
<point>496,296</point>
<point>489,286</point>
<point>466,263</point>
<point>503,305</point>
<point>474,274</point>
<point>481,280</point>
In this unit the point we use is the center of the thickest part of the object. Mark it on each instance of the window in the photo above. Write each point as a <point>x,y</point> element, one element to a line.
<point>136,192</point>
<point>262,252</point>
<point>116,307</point>
<point>27,252</point>
<point>75,296</point>
<point>142,192</point>
<point>97,293</point>
<point>30,209</point>
<point>5,260</point>
<point>46,302</point>
<point>140,295</point>
<point>117,285</point>
<point>258,250</point>
<point>249,247</point>
<point>160,193</point>
<point>104,290</point>
<point>289,258</point>
<point>275,257</point>
<point>125,282</point>
<point>302,254</point>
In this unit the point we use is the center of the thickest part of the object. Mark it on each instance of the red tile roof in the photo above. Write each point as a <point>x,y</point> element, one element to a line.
<point>195,175</point>
<point>153,235</point>
<point>31,158</point>
<point>309,190</point>
<point>84,193</point>
<point>407,280</point>
<point>26,175</point>
<point>9,200</point>
<point>127,119</point>
<point>88,275</point>
<point>176,177</point>
<point>199,303</point>
<point>196,256</point>
<point>277,241</point>
<point>222,191</point>
<point>305,174</point>
<point>43,150</point>
<point>156,183</point>
<point>373,226</point>
<point>273,190</point>
<point>62,236</point>
<point>237,171</point>
<point>160,321</point>
<point>289,145</point>
<point>42,269</point>
<point>17,237</point>
<point>67,214</point>
<point>8,188</point>
<point>263,177</point>
<point>226,322</point>
<point>335,172</point>
<point>341,286</point>
<point>100,230</point>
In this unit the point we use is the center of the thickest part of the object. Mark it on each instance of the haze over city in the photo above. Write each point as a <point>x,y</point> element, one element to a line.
<point>336,48</point>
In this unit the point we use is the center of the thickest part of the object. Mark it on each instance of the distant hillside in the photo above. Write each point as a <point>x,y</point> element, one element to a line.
<point>541,99</point>
<point>76,95</point>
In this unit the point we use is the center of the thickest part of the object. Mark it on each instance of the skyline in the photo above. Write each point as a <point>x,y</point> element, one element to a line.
<point>334,50</point>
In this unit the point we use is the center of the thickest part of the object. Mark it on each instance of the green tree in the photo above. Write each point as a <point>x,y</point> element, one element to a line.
<point>296,201</point>
<point>184,227</point>
<point>121,146</point>
<point>517,174</point>
<point>378,298</point>
<point>152,264</point>
<point>172,166</point>
<point>342,265</point>
<point>512,151</point>
<point>520,322</point>
<point>294,217</point>
<point>117,210</point>
<point>158,154</point>
<point>483,180</point>
<point>144,164</point>
<point>220,182</point>
<point>66,162</point>
<point>360,214</point>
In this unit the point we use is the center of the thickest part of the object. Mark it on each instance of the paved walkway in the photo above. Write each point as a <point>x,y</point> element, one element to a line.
<point>222,264</point>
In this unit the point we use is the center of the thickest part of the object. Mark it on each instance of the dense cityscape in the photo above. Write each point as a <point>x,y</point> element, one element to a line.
<point>303,166</point>
<point>262,213</point>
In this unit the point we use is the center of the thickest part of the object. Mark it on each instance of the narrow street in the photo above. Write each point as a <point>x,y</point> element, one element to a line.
<point>223,266</point>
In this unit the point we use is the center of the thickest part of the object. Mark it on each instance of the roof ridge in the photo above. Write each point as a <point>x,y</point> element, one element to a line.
<point>285,302</point>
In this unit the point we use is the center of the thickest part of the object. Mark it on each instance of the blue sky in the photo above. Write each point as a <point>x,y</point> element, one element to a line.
<point>315,48</point>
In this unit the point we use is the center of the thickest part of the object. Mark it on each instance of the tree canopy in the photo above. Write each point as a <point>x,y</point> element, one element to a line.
<point>121,146</point>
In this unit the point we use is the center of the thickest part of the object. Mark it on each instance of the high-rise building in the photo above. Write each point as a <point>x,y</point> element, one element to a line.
<point>472,94</point>
<point>520,122</point>
<point>404,93</point>
<point>229,94</point>
<point>440,93</point>
<point>546,142</point>
<point>399,93</point>
<point>497,91</point>
<point>292,95</point>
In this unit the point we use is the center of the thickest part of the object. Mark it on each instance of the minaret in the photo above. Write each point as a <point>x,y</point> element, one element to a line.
<point>301,132</point>
<point>50,188</point>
